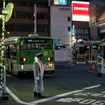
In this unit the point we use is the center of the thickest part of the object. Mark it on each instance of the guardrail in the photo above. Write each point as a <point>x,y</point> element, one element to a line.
<point>3,92</point>
<point>3,77</point>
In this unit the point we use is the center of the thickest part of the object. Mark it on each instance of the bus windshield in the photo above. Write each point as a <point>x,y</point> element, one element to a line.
<point>32,44</point>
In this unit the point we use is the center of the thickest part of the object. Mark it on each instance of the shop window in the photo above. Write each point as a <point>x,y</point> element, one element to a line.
<point>68,18</point>
<point>68,28</point>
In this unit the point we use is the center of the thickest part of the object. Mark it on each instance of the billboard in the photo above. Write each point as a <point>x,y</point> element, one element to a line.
<point>80,11</point>
<point>60,2</point>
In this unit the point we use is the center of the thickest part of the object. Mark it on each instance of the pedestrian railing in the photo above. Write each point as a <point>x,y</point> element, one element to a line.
<point>3,77</point>
<point>2,81</point>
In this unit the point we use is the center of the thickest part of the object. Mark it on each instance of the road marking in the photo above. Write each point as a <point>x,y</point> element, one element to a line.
<point>81,101</point>
<point>92,87</point>
<point>15,97</point>
<point>57,96</point>
<point>49,98</point>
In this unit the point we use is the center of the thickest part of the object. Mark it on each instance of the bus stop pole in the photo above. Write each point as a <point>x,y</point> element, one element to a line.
<point>5,95</point>
<point>2,43</point>
<point>3,29</point>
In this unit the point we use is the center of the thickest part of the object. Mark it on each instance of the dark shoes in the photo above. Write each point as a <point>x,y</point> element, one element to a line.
<point>38,95</point>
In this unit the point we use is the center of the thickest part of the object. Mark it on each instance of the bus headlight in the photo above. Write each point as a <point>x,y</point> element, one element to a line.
<point>50,65</point>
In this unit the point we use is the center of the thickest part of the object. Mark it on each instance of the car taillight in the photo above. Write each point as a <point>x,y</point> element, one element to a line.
<point>24,59</point>
<point>49,59</point>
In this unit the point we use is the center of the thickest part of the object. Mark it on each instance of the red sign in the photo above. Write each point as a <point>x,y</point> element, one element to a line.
<point>55,1</point>
<point>80,9</point>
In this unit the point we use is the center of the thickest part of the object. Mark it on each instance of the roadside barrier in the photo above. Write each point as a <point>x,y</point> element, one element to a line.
<point>80,59</point>
<point>92,66</point>
<point>3,93</point>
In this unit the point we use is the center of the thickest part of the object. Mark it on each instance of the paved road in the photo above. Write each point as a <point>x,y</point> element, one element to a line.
<point>69,85</point>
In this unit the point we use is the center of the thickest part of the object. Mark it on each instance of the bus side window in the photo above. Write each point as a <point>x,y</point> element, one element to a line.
<point>23,45</point>
<point>13,51</point>
<point>7,52</point>
<point>29,46</point>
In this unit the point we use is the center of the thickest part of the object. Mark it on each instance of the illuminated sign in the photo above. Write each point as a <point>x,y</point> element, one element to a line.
<point>73,29</point>
<point>60,2</point>
<point>80,11</point>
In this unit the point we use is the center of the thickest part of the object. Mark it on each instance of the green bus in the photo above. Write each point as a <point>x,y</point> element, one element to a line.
<point>19,53</point>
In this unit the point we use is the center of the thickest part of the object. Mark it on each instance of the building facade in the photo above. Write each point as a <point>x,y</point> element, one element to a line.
<point>60,22</point>
<point>46,18</point>
<point>22,20</point>
<point>80,19</point>
<point>82,30</point>
<point>61,25</point>
<point>97,19</point>
<point>37,16</point>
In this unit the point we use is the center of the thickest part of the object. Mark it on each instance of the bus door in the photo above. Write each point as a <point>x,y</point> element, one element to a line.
<point>7,57</point>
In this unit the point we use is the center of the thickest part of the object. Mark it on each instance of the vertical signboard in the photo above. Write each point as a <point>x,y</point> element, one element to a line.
<point>80,11</point>
<point>60,2</point>
<point>73,29</point>
<point>35,18</point>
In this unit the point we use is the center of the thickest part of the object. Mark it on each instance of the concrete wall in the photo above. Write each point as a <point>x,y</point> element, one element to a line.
<point>94,33</point>
<point>59,24</point>
<point>63,56</point>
